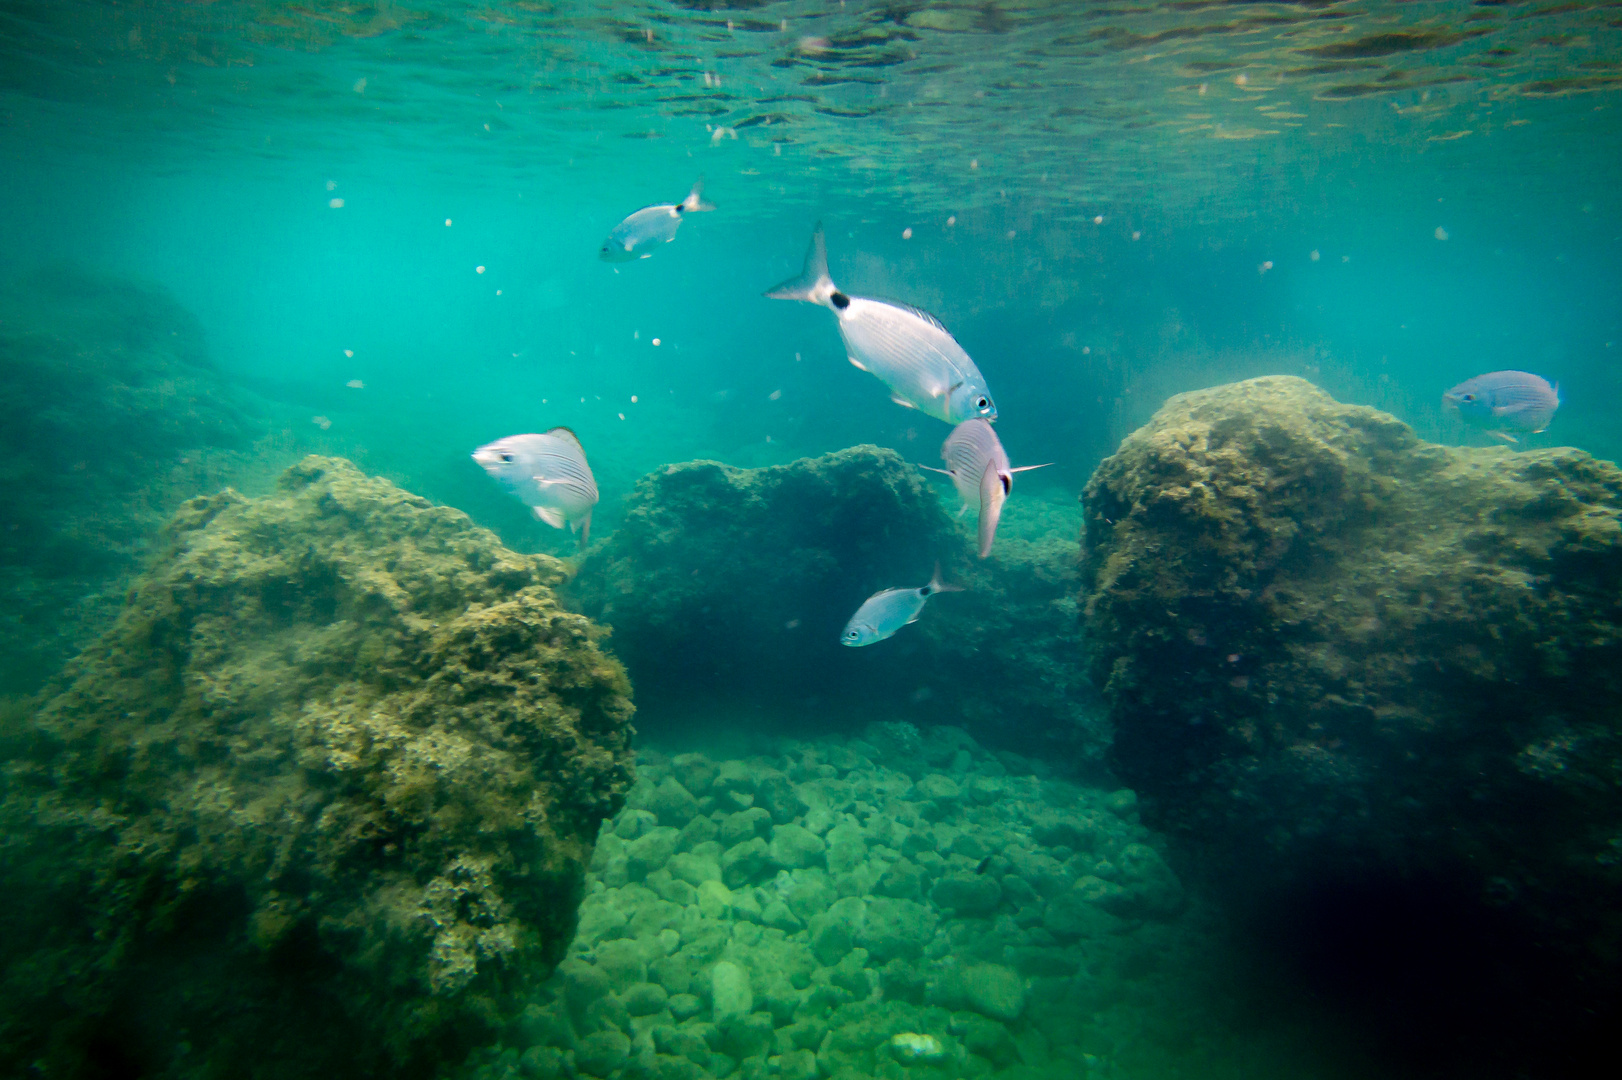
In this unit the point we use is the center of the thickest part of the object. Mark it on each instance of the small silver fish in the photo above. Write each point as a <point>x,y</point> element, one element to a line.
<point>908,349</point>
<point>633,237</point>
<point>1505,401</point>
<point>978,466</point>
<point>548,473</point>
<point>883,613</point>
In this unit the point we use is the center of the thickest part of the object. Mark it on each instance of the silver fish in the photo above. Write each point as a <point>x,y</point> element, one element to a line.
<point>978,466</point>
<point>632,238</point>
<point>883,613</point>
<point>1505,401</point>
<point>548,473</point>
<point>908,349</point>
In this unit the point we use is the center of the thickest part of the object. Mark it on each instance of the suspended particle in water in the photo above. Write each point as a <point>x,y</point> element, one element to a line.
<point>1010,234</point>
<point>478,269</point>
<point>1086,350</point>
<point>447,223</point>
<point>321,422</point>
<point>633,399</point>
<point>1263,268</point>
<point>1202,89</point>
<point>349,353</point>
<point>1345,258</point>
<point>360,85</point>
<point>336,204</point>
<point>636,335</point>
<point>974,163</point>
<point>1098,219</point>
<point>1314,256</point>
<point>355,384</point>
<point>1137,234</point>
<point>649,35</point>
<point>657,342</point>
<point>777,149</point>
<point>1241,79</point>
<point>906,234</point>
<point>951,220</point>
<point>622,416</point>
<point>774,395</point>
<point>1441,233</point>
<point>796,358</point>
<point>498,292</point>
<point>332,185</point>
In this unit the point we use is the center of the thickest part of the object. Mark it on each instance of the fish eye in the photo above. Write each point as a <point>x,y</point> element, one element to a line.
<point>507,458</point>
<point>1469,397</point>
<point>982,402</point>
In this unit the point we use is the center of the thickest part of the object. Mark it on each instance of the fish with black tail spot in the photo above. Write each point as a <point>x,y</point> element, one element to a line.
<point>635,236</point>
<point>885,612</point>
<point>978,466</point>
<point>905,347</point>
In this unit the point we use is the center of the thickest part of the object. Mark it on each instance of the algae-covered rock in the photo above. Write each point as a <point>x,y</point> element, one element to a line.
<point>321,800</point>
<point>111,414</point>
<point>1327,643</point>
<point>728,582</point>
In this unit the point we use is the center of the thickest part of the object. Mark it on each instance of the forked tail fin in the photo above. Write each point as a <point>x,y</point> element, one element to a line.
<point>937,585</point>
<point>814,286</point>
<point>695,198</point>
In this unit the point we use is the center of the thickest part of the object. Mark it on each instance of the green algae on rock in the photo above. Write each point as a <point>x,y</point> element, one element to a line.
<point>729,583</point>
<point>321,799</point>
<point>111,414</point>
<point>1328,645</point>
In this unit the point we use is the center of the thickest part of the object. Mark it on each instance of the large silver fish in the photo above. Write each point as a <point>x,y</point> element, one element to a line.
<point>633,237</point>
<point>908,349</point>
<point>883,613</point>
<point>1505,401</point>
<point>978,466</point>
<point>548,473</point>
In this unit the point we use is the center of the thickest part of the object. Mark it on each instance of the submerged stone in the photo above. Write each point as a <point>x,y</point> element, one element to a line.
<point>1333,651</point>
<point>341,757</point>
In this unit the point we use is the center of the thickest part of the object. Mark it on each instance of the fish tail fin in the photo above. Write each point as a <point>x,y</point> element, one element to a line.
<point>937,584</point>
<point>992,495</point>
<point>695,198</point>
<point>549,515</point>
<point>585,530</point>
<point>814,286</point>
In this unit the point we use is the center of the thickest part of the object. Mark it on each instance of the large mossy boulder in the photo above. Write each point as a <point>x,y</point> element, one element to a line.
<point>319,803</point>
<point>1330,648</point>
<point>111,415</point>
<point>724,583</point>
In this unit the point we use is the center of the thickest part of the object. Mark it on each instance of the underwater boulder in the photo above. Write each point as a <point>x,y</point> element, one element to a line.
<point>732,585</point>
<point>321,801</point>
<point>1335,652</point>
<point>111,414</point>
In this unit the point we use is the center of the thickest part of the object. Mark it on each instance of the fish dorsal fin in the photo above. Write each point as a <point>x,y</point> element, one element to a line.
<point>899,400</point>
<point>566,433</point>
<point>549,514</point>
<point>920,312</point>
<point>856,362</point>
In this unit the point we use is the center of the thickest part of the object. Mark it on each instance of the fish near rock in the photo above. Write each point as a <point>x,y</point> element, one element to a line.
<point>634,237</point>
<point>885,612</point>
<point>906,348</point>
<point>548,473</point>
<point>978,466</point>
<point>1505,401</point>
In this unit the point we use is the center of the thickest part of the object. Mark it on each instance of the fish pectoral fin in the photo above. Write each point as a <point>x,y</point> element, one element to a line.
<point>1028,468</point>
<point>931,468</point>
<point>550,515</point>
<point>903,402</point>
<point>857,363</point>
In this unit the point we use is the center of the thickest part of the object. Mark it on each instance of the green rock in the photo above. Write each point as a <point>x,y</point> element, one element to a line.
<point>666,1067</point>
<point>601,1052</point>
<point>847,849</point>
<point>833,931</point>
<point>634,823</point>
<point>995,991</point>
<point>650,851</point>
<point>671,972</point>
<point>744,825</point>
<point>967,894</point>
<point>673,804</point>
<point>794,847</point>
<point>748,1035</point>
<point>1076,912</point>
<point>777,797</point>
<point>359,734</point>
<point>902,880</point>
<point>623,961</point>
<point>714,900</point>
<point>745,862</point>
<point>734,775</point>
<point>543,1063</point>
<point>695,771</point>
<point>730,994</point>
<point>695,832</point>
<point>694,869</point>
<point>940,788</point>
<point>683,1006</point>
<point>895,928</point>
<point>644,999</point>
<point>777,914</point>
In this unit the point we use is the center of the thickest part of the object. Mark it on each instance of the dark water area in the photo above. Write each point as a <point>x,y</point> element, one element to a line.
<point>1273,738</point>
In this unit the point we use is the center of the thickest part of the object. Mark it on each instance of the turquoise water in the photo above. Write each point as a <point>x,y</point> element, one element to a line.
<point>384,219</point>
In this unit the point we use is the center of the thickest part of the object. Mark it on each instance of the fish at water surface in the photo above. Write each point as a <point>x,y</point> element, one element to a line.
<point>978,465</point>
<point>906,348</point>
<point>546,472</point>
<point>887,611</point>
<point>635,236</point>
<point>1504,402</point>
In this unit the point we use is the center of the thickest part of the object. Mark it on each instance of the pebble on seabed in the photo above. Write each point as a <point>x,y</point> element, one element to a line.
<point>908,900</point>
